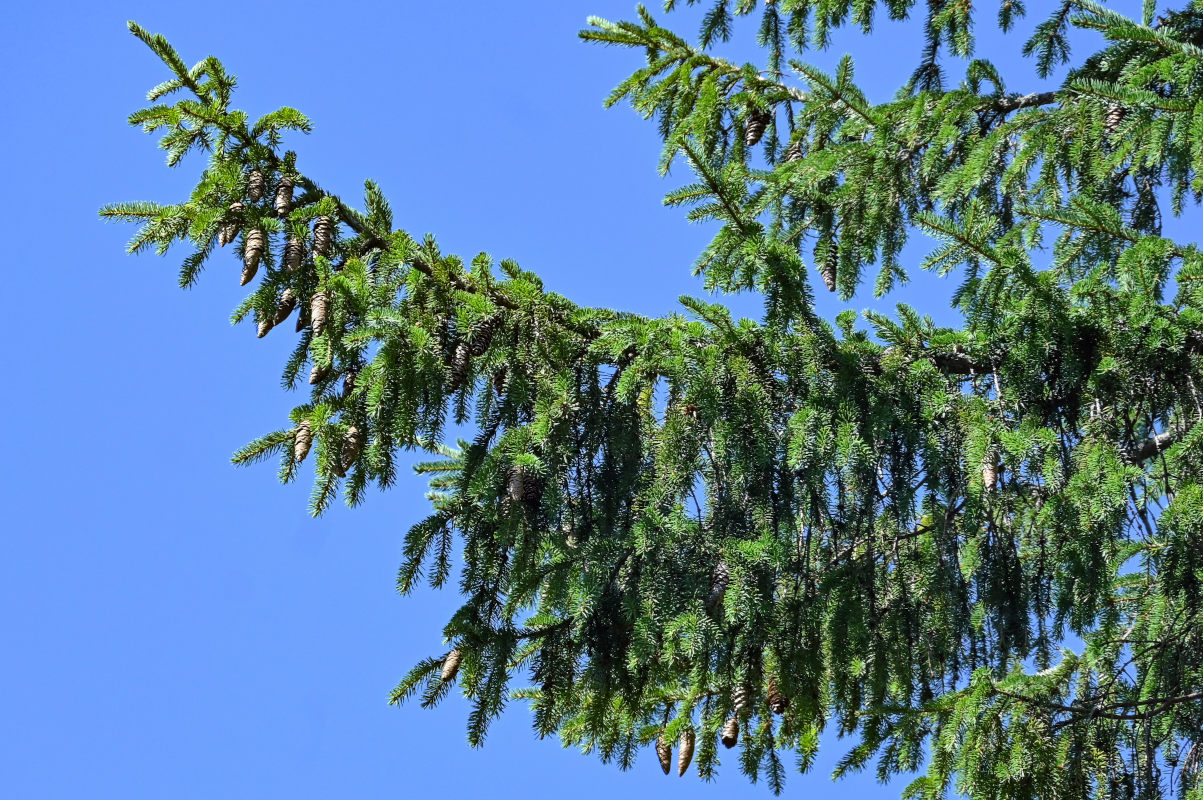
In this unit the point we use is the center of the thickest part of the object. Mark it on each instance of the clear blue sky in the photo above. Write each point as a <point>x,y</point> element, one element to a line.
<point>173,627</point>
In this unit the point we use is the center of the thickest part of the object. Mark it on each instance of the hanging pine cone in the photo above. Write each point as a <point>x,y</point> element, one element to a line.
<point>352,444</point>
<point>303,318</point>
<point>288,302</point>
<point>484,336</point>
<point>990,471</point>
<point>685,753</point>
<point>829,265</point>
<point>255,186</point>
<point>777,701</point>
<point>319,306</point>
<point>739,699</point>
<point>499,380</point>
<point>458,370</point>
<point>719,580</point>
<point>318,373</point>
<point>1113,117</point>
<point>294,251</point>
<point>795,151</point>
<point>450,666</point>
<point>283,202</point>
<point>758,120</point>
<point>665,753</point>
<point>730,734</point>
<point>322,230</point>
<point>252,251</point>
<point>229,230</point>
<point>349,383</point>
<point>302,440</point>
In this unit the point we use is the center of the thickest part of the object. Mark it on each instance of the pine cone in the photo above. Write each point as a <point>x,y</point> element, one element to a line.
<point>302,440</point>
<point>303,318</point>
<point>460,361</point>
<point>450,666</point>
<point>730,734</point>
<point>322,230</point>
<point>318,373</point>
<point>252,251</point>
<point>484,336</point>
<point>1113,117</point>
<point>319,306</point>
<point>685,753</point>
<point>283,202</point>
<point>229,230</point>
<point>990,472</point>
<point>829,265</point>
<point>777,701</point>
<point>758,120</point>
<point>719,580</point>
<point>794,152</point>
<point>665,753</point>
<point>255,186</point>
<point>739,699</point>
<point>352,444</point>
<point>349,383</point>
<point>499,380</point>
<point>294,251</point>
<point>288,302</point>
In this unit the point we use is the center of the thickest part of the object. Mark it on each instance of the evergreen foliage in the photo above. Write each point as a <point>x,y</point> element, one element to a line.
<point>979,550</point>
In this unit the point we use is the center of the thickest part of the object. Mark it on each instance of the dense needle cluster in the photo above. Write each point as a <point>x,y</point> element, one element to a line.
<point>977,550</point>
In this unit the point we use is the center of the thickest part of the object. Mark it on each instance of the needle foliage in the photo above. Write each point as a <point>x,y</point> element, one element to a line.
<point>976,550</point>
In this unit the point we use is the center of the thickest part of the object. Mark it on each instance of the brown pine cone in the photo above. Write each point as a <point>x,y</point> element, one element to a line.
<point>349,383</point>
<point>229,229</point>
<point>450,666</point>
<point>1113,117</point>
<point>685,753</point>
<point>758,120</point>
<point>777,701</point>
<point>794,152</point>
<point>499,380</point>
<point>719,581</point>
<point>484,336</point>
<point>303,318</point>
<point>283,202</point>
<point>739,699</point>
<point>730,733</point>
<point>288,302</point>
<point>352,444</point>
<point>294,251</point>
<point>516,484</point>
<point>319,307</point>
<point>318,373</point>
<point>828,268</point>
<point>302,440</point>
<point>458,370</point>
<point>252,251</point>
<point>323,228</point>
<point>990,472</point>
<point>255,186</point>
<point>665,753</point>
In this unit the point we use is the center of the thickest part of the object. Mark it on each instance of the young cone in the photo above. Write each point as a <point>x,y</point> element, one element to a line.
<point>685,754</point>
<point>255,186</point>
<point>252,251</point>
<point>450,666</point>
<point>322,229</point>
<point>730,734</point>
<point>319,306</point>
<point>665,753</point>
<point>352,444</point>
<point>758,120</point>
<point>302,440</point>
<point>283,202</point>
<point>294,251</point>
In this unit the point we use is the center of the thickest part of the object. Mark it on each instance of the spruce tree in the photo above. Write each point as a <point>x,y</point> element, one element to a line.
<point>979,550</point>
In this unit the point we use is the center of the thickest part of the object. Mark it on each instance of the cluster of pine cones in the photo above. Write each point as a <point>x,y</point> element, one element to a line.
<point>729,735</point>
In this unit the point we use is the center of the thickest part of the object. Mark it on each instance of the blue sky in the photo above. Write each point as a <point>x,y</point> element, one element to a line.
<point>174,627</point>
